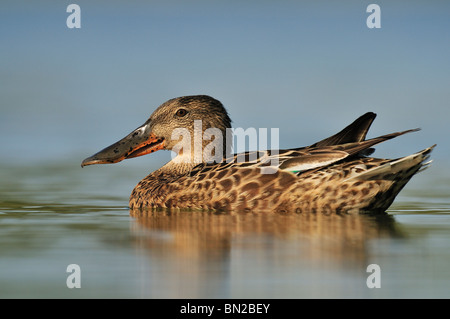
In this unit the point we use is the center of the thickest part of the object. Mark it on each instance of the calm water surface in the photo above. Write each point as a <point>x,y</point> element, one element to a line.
<point>55,215</point>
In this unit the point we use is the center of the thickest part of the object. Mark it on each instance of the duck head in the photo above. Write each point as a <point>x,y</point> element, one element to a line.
<point>178,115</point>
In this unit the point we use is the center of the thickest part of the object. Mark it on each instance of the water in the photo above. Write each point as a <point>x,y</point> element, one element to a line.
<point>53,215</point>
<point>306,68</point>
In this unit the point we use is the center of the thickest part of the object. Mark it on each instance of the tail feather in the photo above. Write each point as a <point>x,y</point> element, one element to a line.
<point>394,175</point>
<point>402,168</point>
<point>425,166</point>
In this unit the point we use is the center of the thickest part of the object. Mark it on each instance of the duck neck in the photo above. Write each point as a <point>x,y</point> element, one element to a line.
<point>177,167</point>
<point>213,147</point>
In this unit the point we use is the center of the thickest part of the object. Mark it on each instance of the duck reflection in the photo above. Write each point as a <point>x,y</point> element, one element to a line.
<point>211,233</point>
<point>206,254</point>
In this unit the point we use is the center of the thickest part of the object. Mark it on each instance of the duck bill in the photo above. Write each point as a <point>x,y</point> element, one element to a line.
<point>139,142</point>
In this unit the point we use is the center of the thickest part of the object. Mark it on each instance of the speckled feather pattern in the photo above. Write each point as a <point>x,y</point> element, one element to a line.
<point>342,187</point>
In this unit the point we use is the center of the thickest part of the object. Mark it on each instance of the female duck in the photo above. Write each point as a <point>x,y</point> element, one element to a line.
<point>333,175</point>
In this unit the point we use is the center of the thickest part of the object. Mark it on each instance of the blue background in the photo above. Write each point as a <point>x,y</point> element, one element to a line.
<point>308,68</point>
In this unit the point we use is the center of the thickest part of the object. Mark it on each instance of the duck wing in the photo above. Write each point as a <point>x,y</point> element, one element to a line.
<point>314,157</point>
<point>298,160</point>
<point>343,145</point>
<point>355,132</point>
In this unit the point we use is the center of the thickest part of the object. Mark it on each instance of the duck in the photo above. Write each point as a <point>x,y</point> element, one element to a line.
<point>334,175</point>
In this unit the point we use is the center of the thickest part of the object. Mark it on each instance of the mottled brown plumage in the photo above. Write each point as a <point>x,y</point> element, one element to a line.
<point>333,175</point>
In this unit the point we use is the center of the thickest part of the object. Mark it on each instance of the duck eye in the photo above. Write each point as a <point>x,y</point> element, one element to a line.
<point>181,112</point>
